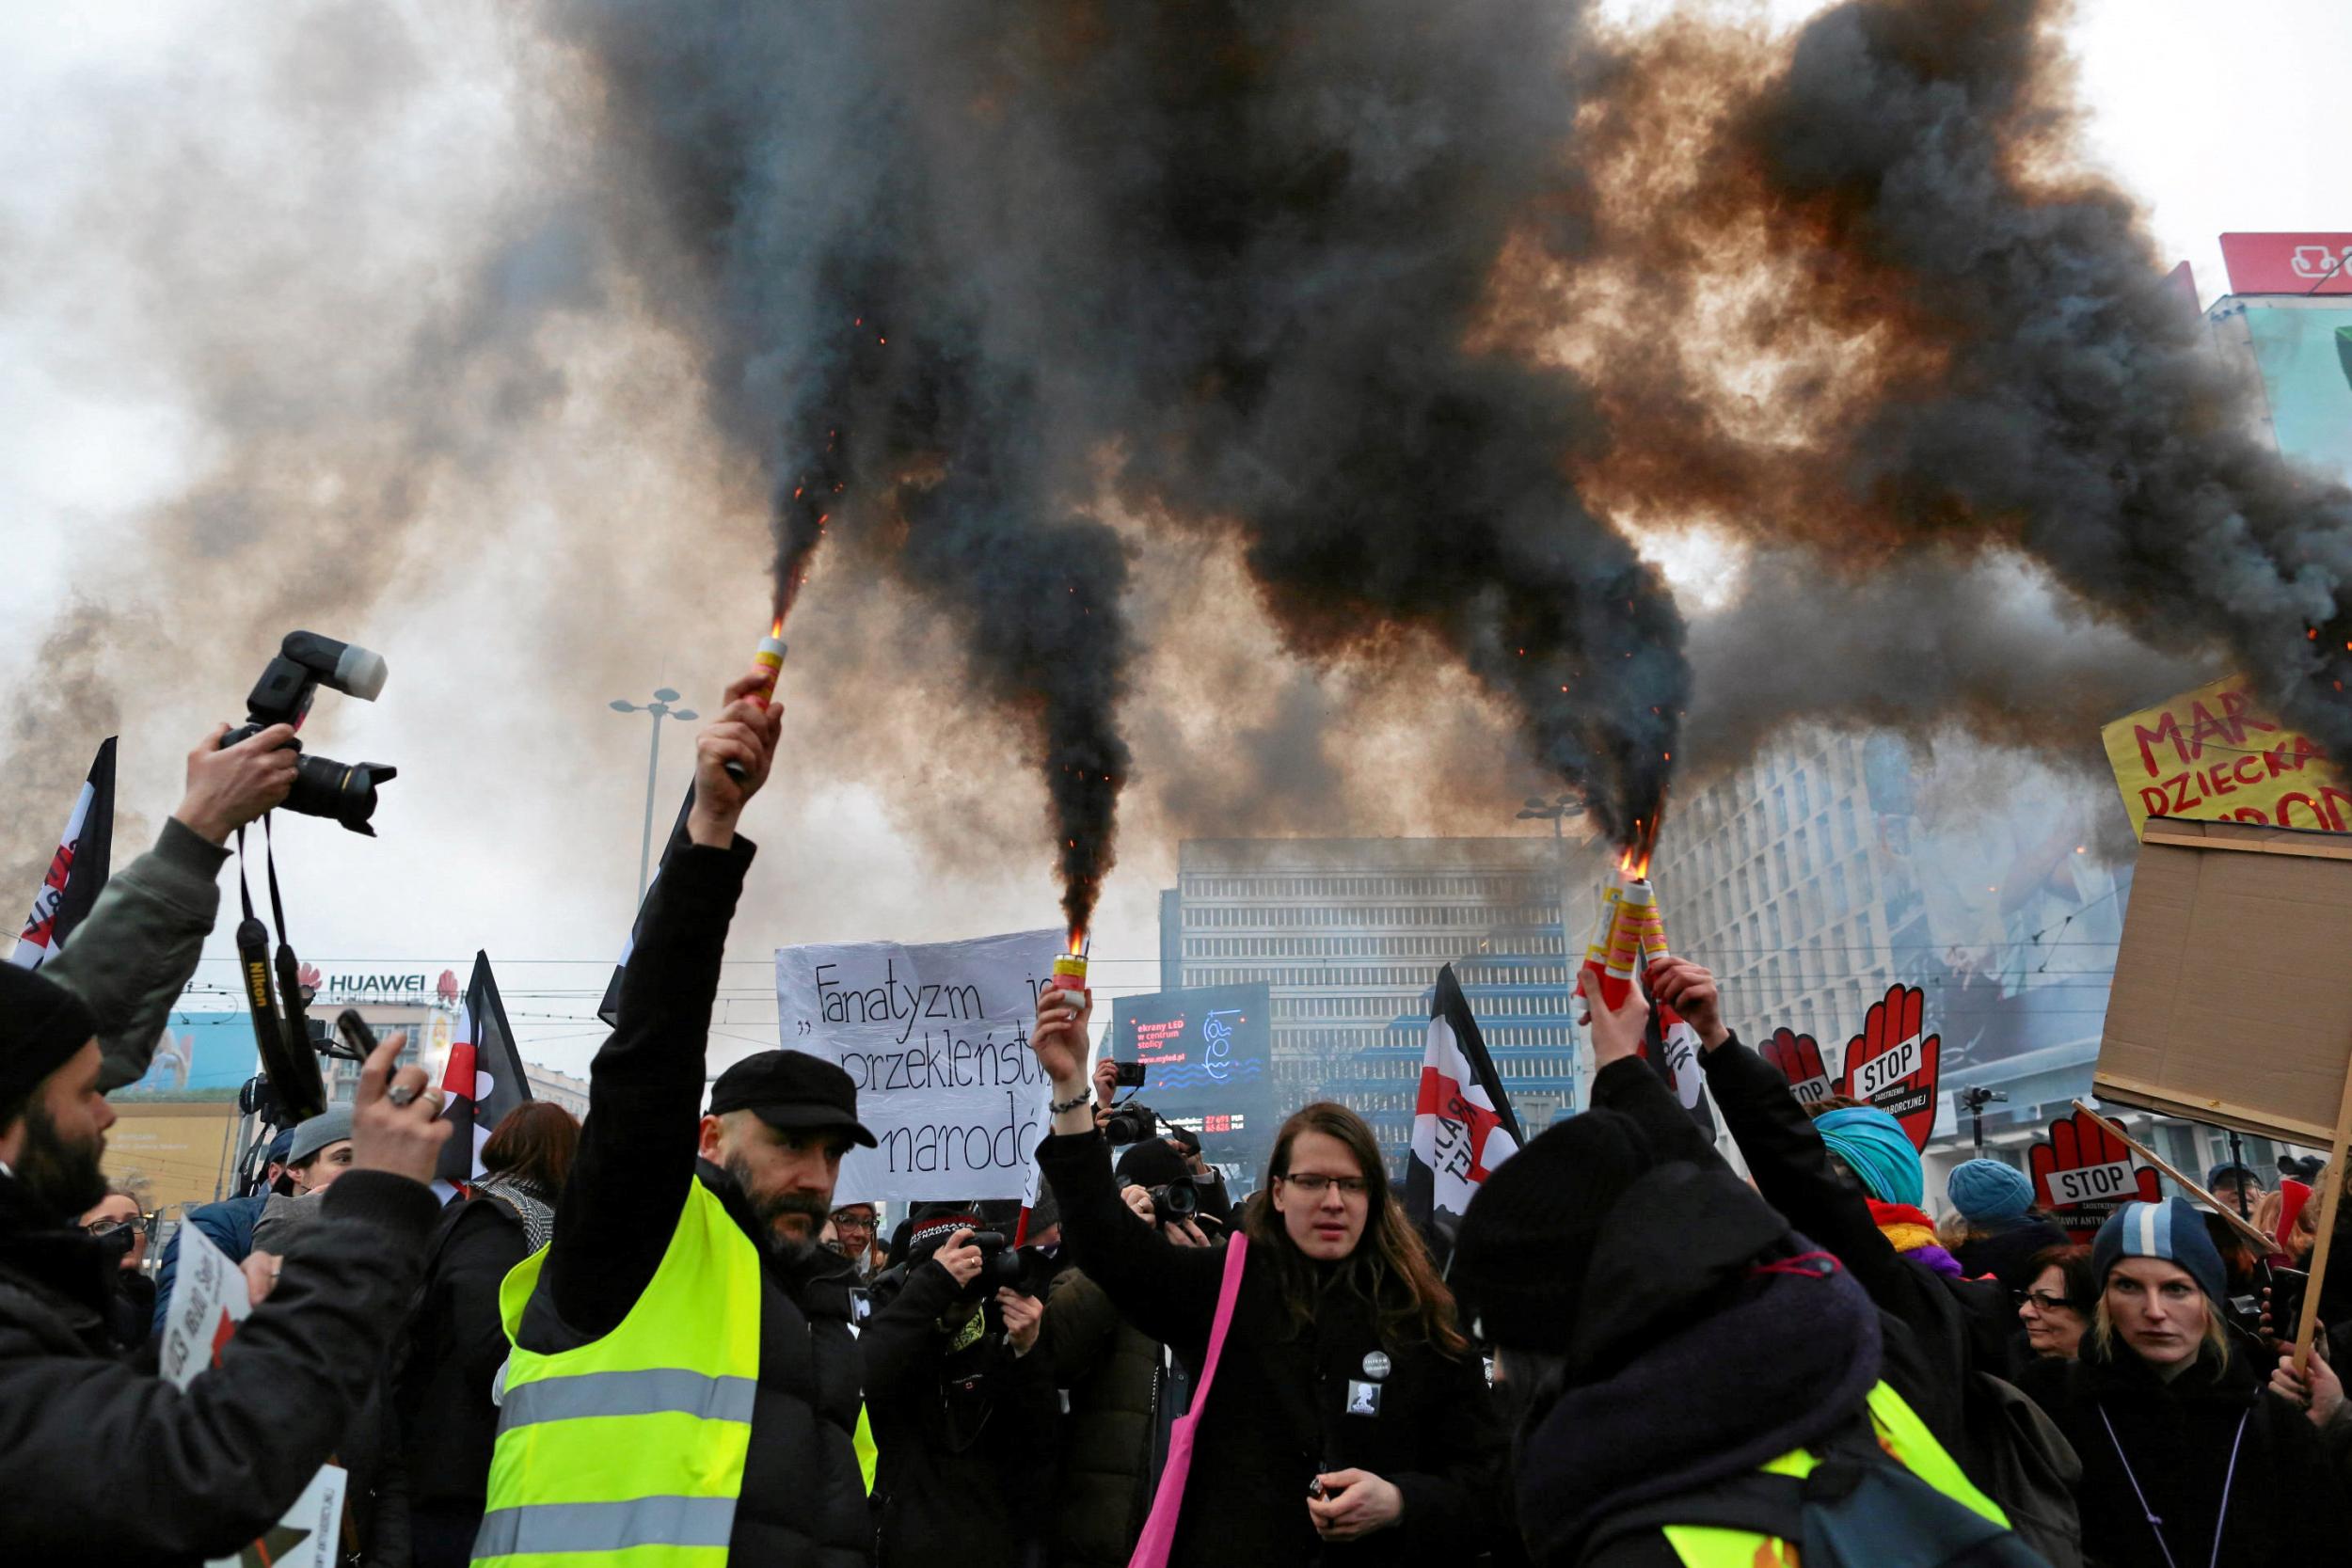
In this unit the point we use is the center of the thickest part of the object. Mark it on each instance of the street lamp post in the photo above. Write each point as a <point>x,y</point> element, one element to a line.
<point>659,707</point>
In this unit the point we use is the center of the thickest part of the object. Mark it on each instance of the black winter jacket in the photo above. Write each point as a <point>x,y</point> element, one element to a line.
<point>2286,1505</point>
<point>804,1496</point>
<point>105,1464</point>
<point>442,1420</point>
<point>1116,1376</point>
<point>1278,1414</point>
<point>963,1430</point>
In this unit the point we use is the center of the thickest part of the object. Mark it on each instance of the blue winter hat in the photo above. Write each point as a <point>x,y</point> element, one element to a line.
<point>1876,1148</point>
<point>2172,1230</point>
<point>1988,1190</point>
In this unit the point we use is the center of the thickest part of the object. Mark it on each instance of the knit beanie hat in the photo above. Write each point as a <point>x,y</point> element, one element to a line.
<point>330,1127</point>
<point>1526,1246</point>
<point>1988,1190</point>
<point>1875,1146</point>
<point>42,1025</point>
<point>2172,1231</point>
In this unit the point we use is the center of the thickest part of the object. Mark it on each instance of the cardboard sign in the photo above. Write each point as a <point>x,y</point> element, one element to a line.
<point>936,1039</point>
<point>1799,1058</point>
<point>2216,754</point>
<point>209,1300</point>
<point>2082,1173</point>
<point>1892,1064</point>
<point>2230,1003</point>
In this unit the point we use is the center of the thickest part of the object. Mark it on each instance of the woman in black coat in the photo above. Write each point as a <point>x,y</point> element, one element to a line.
<point>2188,1457</point>
<point>443,1423</point>
<point>1349,1420</point>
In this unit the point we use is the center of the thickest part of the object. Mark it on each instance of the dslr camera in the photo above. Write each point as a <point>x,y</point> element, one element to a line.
<point>1173,1203</point>
<point>1131,1123</point>
<point>1002,1266</point>
<point>340,791</point>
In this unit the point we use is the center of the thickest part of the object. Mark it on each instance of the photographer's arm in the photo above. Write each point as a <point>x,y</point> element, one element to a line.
<point>637,1147</point>
<point>892,1343</point>
<point>133,954</point>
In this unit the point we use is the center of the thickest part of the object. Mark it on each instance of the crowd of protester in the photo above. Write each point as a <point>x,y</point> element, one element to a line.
<point>665,1337</point>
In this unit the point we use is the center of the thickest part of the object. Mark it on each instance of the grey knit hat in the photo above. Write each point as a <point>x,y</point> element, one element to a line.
<point>310,1137</point>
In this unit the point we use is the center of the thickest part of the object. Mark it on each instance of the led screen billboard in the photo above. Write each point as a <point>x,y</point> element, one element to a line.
<point>1208,1062</point>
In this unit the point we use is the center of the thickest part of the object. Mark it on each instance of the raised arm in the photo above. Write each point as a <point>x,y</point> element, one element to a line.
<point>637,1149</point>
<point>1624,1082</point>
<point>1785,1154</point>
<point>1168,1291</point>
<point>131,960</point>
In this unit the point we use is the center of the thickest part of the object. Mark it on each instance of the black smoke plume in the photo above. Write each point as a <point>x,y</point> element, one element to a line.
<point>2008,374</point>
<point>985,267</point>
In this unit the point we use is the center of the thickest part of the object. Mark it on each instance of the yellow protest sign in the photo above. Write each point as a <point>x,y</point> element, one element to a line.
<point>2216,754</point>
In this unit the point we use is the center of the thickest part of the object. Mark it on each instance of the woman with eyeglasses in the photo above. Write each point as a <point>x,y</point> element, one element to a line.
<point>2056,1307</point>
<point>2193,1452</point>
<point>1349,1420</point>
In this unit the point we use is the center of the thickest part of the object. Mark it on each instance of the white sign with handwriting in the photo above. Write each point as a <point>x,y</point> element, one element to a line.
<point>936,1039</point>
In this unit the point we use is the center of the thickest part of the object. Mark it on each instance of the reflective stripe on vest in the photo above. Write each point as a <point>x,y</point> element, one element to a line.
<point>868,1456</point>
<point>1904,1437</point>
<point>629,1449</point>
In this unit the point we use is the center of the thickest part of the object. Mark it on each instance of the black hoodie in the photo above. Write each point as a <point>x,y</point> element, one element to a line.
<point>1689,1364</point>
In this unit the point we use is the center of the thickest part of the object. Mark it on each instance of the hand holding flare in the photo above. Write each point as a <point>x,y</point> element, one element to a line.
<point>769,657</point>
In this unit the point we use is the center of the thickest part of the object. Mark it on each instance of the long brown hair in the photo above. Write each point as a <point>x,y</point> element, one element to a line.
<point>1389,1268</point>
<point>534,1141</point>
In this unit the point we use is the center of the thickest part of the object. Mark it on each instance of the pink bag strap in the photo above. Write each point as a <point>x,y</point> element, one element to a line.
<point>1228,1293</point>
<point>1159,1529</point>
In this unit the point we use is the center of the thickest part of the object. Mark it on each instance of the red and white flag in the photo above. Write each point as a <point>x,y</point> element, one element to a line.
<point>483,1079</point>
<point>78,871</point>
<point>1462,1123</point>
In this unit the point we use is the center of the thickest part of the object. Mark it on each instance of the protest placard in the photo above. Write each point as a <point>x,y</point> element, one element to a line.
<point>1894,1063</point>
<point>936,1040</point>
<point>2082,1173</point>
<point>209,1300</point>
<point>2217,754</point>
<point>2231,1003</point>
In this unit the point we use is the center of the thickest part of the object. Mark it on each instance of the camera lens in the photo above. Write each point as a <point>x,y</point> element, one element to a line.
<point>340,791</point>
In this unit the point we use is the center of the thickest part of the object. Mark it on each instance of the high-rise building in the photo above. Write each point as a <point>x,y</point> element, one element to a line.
<point>1348,935</point>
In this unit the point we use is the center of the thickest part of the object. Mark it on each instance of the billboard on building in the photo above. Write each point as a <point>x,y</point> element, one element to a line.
<point>1207,1053</point>
<point>198,1056</point>
<point>1996,908</point>
<point>173,1152</point>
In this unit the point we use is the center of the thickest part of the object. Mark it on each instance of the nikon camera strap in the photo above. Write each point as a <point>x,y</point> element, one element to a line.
<point>284,1039</point>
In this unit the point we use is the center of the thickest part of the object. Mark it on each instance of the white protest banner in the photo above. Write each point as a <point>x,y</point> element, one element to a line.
<point>936,1039</point>
<point>208,1301</point>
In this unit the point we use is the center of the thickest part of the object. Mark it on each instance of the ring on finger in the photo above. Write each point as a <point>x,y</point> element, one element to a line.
<point>403,1094</point>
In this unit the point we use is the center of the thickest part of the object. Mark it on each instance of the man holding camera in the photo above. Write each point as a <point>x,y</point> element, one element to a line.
<point>683,1372</point>
<point>963,1415</point>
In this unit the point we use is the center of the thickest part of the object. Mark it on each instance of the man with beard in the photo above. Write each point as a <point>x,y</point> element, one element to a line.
<point>105,1463</point>
<point>684,1375</point>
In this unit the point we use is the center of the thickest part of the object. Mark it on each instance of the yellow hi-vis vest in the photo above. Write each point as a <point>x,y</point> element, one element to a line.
<point>629,1451</point>
<point>1900,1433</point>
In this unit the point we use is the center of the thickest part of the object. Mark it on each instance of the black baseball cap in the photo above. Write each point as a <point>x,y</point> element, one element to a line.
<point>793,1092</point>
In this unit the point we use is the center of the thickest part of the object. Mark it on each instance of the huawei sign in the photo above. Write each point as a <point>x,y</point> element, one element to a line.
<point>2288,264</point>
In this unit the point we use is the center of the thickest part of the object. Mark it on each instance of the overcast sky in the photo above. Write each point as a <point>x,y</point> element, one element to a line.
<point>136,326</point>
